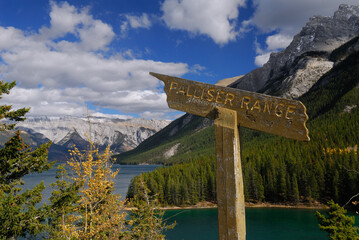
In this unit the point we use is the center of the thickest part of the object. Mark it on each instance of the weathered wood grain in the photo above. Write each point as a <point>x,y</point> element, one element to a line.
<point>230,108</point>
<point>230,191</point>
<point>265,113</point>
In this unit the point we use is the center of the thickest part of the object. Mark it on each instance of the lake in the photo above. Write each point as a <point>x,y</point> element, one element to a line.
<point>201,224</point>
<point>122,180</point>
<point>262,224</point>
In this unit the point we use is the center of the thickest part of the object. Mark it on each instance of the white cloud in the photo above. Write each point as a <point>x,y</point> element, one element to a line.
<point>197,69</point>
<point>262,59</point>
<point>170,114</point>
<point>287,18</point>
<point>134,21</point>
<point>72,73</point>
<point>142,21</point>
<point>274,43</point>
<point>214,18</point>
<point>278,41</point>
<point>291,15</point>
<point>104,115</point>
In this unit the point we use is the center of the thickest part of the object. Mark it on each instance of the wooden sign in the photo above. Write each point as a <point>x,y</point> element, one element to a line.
<point>231,108</point>
<point>265,113</point>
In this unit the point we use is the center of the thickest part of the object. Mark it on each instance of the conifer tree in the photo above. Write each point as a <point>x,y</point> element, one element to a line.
<point>63,203</point>
<point>146,219</point>
<point>337,224</point>
<point>19,211</point>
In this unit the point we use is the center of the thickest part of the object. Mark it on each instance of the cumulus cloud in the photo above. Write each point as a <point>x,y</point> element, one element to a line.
<point>291,15</point>
<point>214,18</point>
<point>262,59</point>
<point>58,76</point>
<point>274,43</point>
<point>142,21</point>
<point>278,41</point>
<point>135,21</point>
<point>287,18</point>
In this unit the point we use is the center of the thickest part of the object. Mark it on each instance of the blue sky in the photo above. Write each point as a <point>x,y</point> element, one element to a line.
<point>67,55</point>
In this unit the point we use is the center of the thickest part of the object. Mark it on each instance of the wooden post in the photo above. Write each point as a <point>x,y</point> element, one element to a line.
<point>230,107</point>
<point>230,191</point>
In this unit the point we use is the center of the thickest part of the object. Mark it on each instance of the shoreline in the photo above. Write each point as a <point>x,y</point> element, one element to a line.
<point>204,205</point>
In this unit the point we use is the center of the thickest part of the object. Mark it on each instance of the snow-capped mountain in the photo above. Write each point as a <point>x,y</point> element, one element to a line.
<point>65,131</point>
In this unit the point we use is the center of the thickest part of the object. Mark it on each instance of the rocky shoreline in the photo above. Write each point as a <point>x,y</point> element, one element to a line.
<point>205,204</point>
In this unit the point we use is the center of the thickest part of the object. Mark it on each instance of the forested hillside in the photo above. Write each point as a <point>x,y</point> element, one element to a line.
<point>276,169</point>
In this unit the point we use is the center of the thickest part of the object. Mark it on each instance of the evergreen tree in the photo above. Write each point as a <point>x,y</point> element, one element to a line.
<point>63,203</point>
<point>20,213</point>
<point>146,219</point>
<point>337,224</point>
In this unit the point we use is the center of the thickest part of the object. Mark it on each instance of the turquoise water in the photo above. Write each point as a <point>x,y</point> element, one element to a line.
<point>262,224</point>
<point>201,224</point>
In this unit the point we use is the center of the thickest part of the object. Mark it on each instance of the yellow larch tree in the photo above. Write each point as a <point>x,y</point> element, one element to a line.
<point>99,214</point>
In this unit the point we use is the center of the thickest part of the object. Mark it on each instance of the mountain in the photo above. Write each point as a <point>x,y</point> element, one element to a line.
<point>65,131</point>
<point>316,52</point>
<point>286,73</point>
<point>275,169</point>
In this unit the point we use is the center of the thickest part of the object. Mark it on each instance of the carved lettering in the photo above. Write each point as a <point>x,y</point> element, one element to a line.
<point>198,90</point>
<point>256,106</point>
<point>182,90</point>
<point>187,94</point>
<point>229,98</point>
<point>210,92</point>
<point>290,110</point>
<point>245,101</point>
<point>266,107</point>
<point>258,111</point>
<point>278,111</point>
<point>174,85</point>
<point>202,94</point>
<point>219,96</point>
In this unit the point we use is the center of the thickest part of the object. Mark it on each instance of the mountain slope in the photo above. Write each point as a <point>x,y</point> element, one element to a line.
<point>280,170</point>
<point>320,35</point>
<point>201,141</point>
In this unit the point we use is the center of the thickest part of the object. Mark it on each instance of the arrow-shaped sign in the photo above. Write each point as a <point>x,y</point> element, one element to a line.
<point>265,113</point>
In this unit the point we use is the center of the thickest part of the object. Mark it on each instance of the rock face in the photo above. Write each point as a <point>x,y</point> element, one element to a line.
<point>305,74</point>
<point>65,131</point>
<point>306,59</point>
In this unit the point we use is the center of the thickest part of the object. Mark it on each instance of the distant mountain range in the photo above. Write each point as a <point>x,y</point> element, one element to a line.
<point>315,55</point>
<point>65,131</point>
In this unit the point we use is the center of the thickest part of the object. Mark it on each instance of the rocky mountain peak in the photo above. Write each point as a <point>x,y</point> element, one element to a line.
<point>320,34</point>
<point>345,12</point>
<point>66,131</point>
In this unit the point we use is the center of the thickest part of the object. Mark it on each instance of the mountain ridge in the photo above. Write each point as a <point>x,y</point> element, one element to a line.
<point>312,63</point>
<point>319,34</point>
<point>66,131</point>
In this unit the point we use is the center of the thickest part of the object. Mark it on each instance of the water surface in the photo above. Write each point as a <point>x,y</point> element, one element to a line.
<point>201,224</point>
<point>262,224</point>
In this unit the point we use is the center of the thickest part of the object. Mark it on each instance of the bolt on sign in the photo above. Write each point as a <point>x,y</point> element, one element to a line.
<point>231,108</point>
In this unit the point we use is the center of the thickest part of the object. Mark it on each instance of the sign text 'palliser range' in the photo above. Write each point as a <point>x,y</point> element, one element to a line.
<point>270,114</point>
